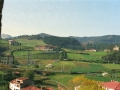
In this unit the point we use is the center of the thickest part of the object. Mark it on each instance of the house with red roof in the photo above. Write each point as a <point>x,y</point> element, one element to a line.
<point>31,88</point>
<point>113,85</point>
<point>19,83</point>
<point>23,83</point>
<point>45,47</point>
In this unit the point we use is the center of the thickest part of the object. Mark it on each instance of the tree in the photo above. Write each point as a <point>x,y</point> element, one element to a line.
<point>63,55</point>
<point>9,75</point>
<point>83,83</point>
<point>112,57</point>
<point>36,66</point>
<point>63,42</point>
<point>2,74</point>
<point>29,74</point>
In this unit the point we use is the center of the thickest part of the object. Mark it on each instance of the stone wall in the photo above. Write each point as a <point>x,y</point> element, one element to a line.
<point>1,6</point>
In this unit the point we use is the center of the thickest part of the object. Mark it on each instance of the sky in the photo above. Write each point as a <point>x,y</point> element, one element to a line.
<point>61,17</point>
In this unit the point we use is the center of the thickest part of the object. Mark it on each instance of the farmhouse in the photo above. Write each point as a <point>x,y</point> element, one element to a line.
<point>91,50</point>
<point>45,47</point>
<point>23,83</point>
<point>113,85</point>
<point>13,42</point>
<point>106,50</point>
<point>116,48</point>
<point>20,84</point>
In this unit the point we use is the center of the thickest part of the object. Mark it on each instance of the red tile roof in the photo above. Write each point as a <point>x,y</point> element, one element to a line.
<point>31,88</point>
<point>118,87</point>
<point>112,85</point>
<point>35,88</point>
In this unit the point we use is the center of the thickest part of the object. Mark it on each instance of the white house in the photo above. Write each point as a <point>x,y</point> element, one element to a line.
<point>19,83</point>
<point>116,48</point>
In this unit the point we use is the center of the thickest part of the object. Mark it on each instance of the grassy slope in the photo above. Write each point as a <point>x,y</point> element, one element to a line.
<point>92,56</point>
<point>30,43</point>
<point>112,66</point>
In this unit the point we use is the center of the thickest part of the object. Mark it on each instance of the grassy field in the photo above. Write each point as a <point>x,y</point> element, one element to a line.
<point>22,55</point>
<point>77,56</point>
<point>65,78</point>
<point>30,43</point>
<point>112,66</point>
<point>3,41</point>
<point>99,54</point>
<point>25,53</point>
<point>86,68</point>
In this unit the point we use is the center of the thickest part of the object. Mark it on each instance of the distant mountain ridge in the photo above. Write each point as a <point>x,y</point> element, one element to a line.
<point>4,36</point>
<point>110,39</point>
<point>44,34</point>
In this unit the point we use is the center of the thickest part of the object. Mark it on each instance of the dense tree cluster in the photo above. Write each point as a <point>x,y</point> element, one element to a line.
<point>64,42</point>
<point>3,48</point>
<point>113,57</point>
<point>63,55</point>
<point>108,39</point>
<point>99,46</point>
<point>30,37</point>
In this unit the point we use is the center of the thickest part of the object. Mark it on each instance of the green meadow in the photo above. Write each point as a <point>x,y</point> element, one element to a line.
<point>30,43</point>
<point>78,56</point>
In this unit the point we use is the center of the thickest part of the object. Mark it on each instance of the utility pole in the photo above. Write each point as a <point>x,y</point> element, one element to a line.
<point>29,61</point>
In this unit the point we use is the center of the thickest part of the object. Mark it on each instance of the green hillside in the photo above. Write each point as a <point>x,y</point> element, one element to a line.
<point>86,55</point>
<point>111,39</point>
<point>30,43</point>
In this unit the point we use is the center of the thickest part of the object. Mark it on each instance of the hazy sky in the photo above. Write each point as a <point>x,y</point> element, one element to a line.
<point>61,17</point>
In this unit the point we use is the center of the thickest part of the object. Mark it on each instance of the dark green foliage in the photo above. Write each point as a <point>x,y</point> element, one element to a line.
<point>63,55</point>
<point>3,48</point>
<point>29,74</point>
<point>5,86</point>
<point>109,39</point>
<point>100,46</point>
<point>88,68</point>
<point>30,37</point>
<point>64,42</point>
<point>113,57</point>
<point>46,56</point>
<point>9,76</point>
<point>36,66</point>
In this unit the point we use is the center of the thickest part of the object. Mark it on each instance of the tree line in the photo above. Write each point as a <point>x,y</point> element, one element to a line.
<point>30,37</point>
<point>63,42</point>
<point>70,43</point>
<point>112,57</point>
<point>100,46</point>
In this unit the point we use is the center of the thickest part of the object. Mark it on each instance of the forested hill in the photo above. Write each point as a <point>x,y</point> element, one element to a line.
<point>109,39</point>
<point>64,42</point>
<point>4,36</point>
